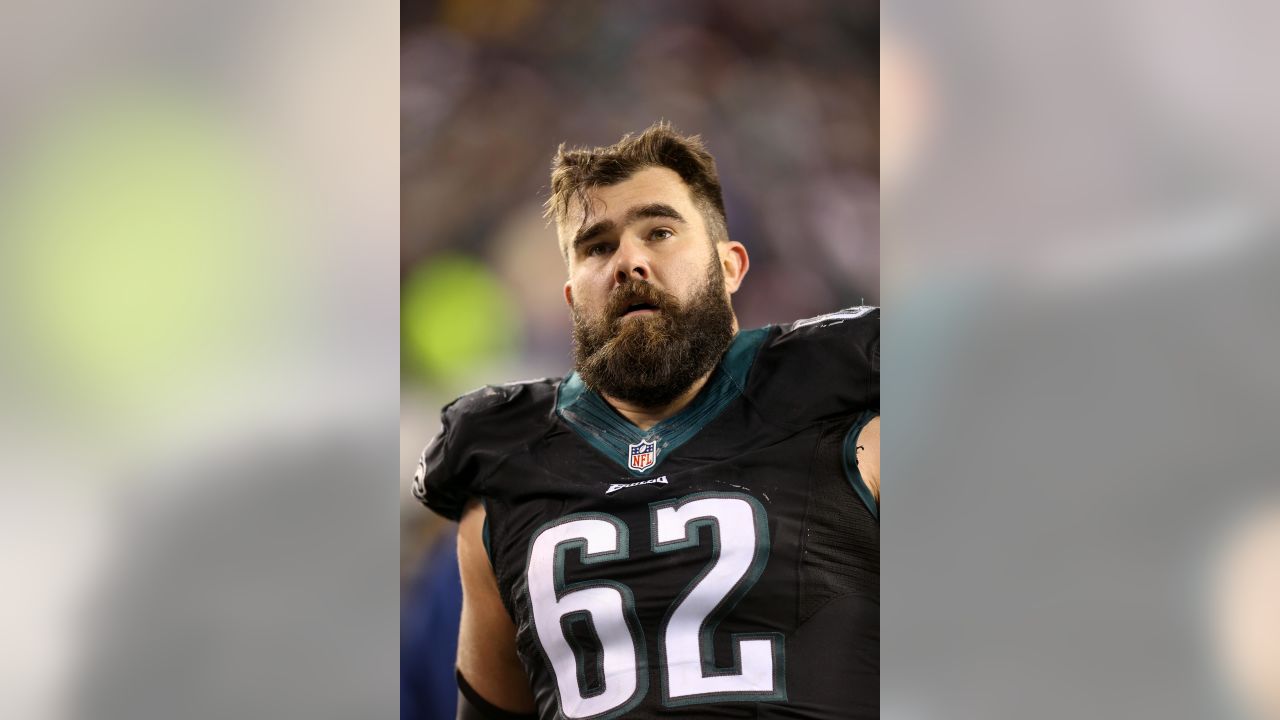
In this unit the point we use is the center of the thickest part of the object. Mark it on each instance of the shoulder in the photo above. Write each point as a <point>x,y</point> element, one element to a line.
<point>499,401</point>
<point>476,431</point>
<point>821,366</point>
<point>854,328</point>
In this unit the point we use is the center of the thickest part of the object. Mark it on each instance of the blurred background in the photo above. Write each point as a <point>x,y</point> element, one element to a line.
<point>1080,353</point>
<point>785,95</point>
<point>199,345</point>
<point>209,407</point>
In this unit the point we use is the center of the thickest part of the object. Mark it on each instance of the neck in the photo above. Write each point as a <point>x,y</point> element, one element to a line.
<point>646,417</point>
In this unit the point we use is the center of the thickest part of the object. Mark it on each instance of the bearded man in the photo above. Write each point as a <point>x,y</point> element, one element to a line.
<point>688,523</point>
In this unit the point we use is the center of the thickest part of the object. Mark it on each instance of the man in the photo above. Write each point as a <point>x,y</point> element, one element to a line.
<point>687,524</point>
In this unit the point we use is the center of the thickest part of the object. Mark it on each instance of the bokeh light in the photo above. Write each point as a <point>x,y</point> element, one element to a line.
<point>455,314</point>
<point>141,215</point>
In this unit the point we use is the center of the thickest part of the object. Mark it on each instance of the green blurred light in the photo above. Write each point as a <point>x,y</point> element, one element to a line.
<point>138,222</point>
<point>455,316</point>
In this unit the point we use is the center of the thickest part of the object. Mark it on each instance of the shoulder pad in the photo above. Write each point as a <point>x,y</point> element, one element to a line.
<point>852,333</point>
<point>476,432</point>
<point>823,366</point>
<point>861,318</point>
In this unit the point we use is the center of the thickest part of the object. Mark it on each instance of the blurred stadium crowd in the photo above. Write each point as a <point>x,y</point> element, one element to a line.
<point>784,94</point>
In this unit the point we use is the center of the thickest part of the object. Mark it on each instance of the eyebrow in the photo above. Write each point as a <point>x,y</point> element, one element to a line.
<point>651,210</point>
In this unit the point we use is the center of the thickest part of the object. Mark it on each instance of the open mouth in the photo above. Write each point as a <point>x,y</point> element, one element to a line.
<point>639,309</point>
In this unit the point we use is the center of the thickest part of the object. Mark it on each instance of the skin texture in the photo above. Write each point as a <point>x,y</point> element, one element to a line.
<point>487,638</point>
<point>673,255</point>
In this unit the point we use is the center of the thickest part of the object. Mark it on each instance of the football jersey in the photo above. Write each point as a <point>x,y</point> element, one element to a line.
<point>723,563</point>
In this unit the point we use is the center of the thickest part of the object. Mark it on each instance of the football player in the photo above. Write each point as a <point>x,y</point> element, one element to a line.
<point>687,523</point>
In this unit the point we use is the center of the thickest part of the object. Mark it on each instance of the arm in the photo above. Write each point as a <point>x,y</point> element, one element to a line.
<point>487,659</point>
<point>869,456</point>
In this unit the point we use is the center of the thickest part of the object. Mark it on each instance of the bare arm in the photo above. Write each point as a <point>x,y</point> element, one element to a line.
<point>869,456</point>
<point>487,637</point>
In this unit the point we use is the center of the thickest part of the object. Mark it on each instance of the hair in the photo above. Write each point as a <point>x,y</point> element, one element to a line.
<point>576,171</point>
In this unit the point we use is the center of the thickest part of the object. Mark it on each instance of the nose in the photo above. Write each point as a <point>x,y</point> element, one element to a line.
<point>630,261</point>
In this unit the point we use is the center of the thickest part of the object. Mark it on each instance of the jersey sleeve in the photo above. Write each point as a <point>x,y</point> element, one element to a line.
<point>477,432</point>
<point>454,462</point>
<point>825,367</point>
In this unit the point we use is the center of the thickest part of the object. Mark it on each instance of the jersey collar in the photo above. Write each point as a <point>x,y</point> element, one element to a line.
<point>606,430</point>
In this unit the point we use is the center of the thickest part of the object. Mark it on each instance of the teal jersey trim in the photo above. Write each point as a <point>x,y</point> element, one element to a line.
<point>600,425</point>
<point>484,538</point>
<point>851,463</point>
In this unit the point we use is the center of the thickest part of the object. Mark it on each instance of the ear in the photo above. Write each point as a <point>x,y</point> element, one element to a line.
<point>568,294</point>
<point>735,262</point>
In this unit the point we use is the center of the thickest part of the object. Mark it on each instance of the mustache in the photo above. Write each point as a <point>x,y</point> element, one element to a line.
<point>638,292</point>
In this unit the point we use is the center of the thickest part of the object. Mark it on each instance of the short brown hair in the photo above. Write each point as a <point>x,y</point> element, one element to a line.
<point>576,171</point>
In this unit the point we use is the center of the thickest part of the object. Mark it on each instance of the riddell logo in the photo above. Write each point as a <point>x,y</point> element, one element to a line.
<point>618,486</point>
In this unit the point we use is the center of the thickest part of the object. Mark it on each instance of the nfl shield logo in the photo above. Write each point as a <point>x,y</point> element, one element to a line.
<point>642,455</point>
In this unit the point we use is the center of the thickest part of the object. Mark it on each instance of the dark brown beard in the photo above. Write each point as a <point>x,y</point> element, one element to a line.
<point>650,360</point>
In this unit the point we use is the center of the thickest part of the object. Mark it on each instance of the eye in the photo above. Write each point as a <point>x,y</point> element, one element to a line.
<point>661,234</point>
<point>597,249</point>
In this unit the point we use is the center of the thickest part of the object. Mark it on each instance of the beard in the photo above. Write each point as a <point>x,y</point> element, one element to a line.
<point>652,359</point>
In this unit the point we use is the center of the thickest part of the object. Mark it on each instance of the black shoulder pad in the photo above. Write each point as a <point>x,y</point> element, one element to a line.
<point>476,432</point>
<point>857,320</point>
<point>823,366</point>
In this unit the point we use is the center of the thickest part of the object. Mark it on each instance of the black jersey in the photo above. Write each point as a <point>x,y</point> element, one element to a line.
<point>723,563</point>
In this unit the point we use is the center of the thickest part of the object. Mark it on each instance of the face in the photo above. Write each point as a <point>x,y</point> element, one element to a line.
<point>648,289</point>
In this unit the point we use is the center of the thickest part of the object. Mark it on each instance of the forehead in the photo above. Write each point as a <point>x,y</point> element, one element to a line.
<point>648,185</point>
